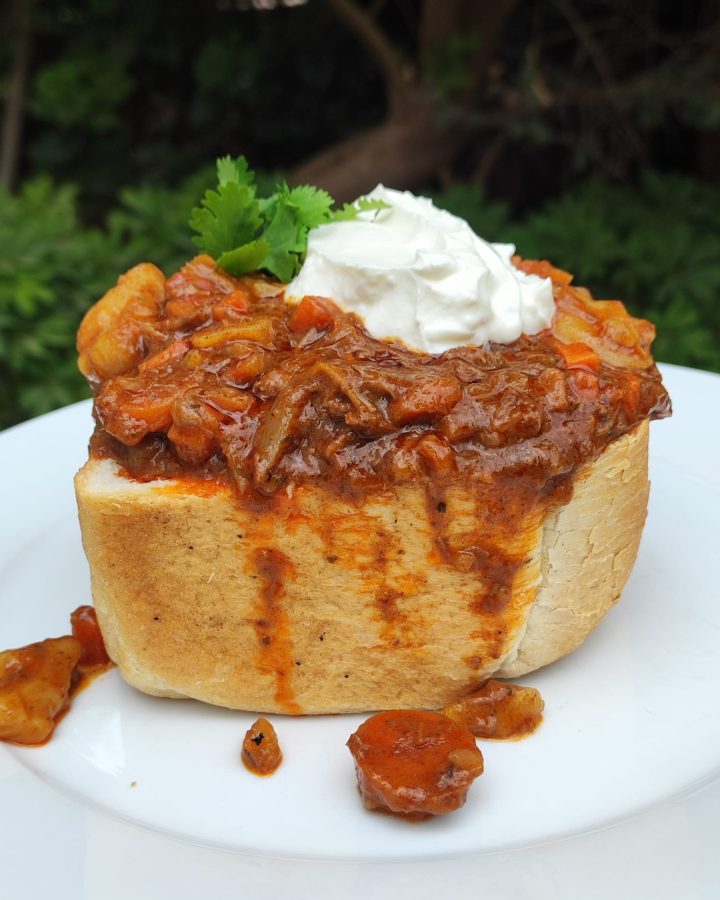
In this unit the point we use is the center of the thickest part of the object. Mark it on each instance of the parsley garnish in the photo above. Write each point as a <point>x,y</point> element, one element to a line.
<point>247,233</point>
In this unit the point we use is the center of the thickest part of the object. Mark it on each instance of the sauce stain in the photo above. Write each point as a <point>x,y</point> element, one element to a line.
<point>389,587</point>
<point>496,540</point>
<point>271,625</point>
<point>394,628</point>
<point>196,487</point>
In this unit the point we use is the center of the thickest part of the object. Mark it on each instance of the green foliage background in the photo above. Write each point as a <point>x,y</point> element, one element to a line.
<point>655,245</point>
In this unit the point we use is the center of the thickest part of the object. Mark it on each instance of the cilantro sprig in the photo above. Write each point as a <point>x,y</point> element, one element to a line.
<point>246,233</point>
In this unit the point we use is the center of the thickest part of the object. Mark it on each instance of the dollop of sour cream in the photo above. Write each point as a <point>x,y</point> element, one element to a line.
<point>421,275</point>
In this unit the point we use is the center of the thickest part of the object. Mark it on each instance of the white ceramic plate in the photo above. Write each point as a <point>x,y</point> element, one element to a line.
<point>631,736</point>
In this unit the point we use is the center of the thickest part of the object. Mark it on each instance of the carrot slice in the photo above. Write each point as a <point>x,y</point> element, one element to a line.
<point>173,350</point>
<point>543,269</point>
<point>235,302</point>
<point>312,312</point>
<point>579,356</point>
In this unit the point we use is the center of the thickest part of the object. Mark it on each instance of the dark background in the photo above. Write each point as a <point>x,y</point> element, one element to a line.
<point>586,132</point>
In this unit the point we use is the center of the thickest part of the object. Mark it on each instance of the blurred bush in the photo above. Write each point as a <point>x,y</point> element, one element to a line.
<point>48,275</point>
<point>52,269</point>
<point>654,245</point>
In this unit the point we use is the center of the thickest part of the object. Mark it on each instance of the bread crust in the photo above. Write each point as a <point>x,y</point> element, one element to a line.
<point>317,605</point>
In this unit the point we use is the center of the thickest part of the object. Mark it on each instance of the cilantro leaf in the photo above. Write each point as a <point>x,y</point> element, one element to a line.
<point>350,211</point>
<point>236,170</point>
<point>313,205</point>
<point>226,218</point>
<point>287,238</point>
<point>268,206</point>
<point>247,258</point>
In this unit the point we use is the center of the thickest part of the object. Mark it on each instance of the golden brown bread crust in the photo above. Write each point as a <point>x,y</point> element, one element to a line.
<point>319,606</point>
<point>589,547</point>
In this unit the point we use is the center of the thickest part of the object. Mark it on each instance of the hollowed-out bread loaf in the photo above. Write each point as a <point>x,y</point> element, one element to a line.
<point>317,604</point>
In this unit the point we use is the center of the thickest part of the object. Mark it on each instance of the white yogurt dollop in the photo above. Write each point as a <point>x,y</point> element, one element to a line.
<point>416,273</point>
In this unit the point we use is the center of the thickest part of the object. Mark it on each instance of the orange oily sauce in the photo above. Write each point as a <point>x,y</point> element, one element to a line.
<point>488,532</point>
<point>271,625</point>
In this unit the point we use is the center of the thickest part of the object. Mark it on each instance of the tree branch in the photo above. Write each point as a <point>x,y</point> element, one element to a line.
<point>586,38</point>
<point>439,21</point>
<point>13,114</point>
<point>600,61</point>
<point>404,151</point>
<point>367,31</point>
